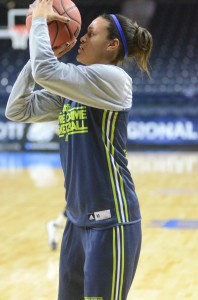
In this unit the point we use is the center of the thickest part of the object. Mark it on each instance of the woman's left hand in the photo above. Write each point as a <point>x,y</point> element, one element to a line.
<point>60,51</point>
<point>44,8</point>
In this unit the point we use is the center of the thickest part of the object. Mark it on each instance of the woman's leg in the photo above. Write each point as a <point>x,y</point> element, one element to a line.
<point>71,273</point>
<point>110,261</point>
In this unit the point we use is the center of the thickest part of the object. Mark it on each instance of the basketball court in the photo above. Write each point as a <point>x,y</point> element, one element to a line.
<point>32,193</point>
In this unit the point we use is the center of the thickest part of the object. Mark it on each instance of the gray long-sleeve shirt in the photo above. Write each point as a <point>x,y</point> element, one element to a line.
<point>101,86</point>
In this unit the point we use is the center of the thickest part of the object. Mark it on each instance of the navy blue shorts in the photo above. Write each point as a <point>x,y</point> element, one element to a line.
<point>98,264</point>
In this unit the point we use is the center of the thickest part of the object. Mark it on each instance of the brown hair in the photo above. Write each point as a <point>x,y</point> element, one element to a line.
<point>139,40</point>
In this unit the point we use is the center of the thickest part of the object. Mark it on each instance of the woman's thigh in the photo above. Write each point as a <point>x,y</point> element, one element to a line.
<point>111,258</point>
<point>71,273</point>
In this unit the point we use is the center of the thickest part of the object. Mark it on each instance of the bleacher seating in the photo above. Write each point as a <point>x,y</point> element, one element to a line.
<point>174,63</point>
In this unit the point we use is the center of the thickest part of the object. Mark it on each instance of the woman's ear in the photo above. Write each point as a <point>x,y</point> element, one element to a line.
<point>113,45</point>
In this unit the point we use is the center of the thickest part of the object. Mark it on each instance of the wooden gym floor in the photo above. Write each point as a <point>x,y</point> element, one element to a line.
<point>31,193</point>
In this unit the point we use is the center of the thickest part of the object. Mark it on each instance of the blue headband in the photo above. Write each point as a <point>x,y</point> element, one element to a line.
<point>121,34</point>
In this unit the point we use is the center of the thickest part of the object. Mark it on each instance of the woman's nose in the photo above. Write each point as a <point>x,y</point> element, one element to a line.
<point>83,38</point>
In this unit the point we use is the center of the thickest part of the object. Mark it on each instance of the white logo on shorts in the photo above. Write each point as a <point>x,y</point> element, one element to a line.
<point>102,215</point>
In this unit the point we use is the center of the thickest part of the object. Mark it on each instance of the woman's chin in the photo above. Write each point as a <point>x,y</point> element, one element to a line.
<point>79,59</point>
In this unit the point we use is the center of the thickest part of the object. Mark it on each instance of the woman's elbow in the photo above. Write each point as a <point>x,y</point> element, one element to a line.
<point>14,114</point>
<point>9,114</point>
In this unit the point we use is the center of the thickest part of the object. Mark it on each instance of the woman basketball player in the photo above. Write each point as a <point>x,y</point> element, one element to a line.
<point>102,239</point>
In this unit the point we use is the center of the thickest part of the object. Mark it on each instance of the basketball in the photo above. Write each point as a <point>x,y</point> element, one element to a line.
<point>61,33</point>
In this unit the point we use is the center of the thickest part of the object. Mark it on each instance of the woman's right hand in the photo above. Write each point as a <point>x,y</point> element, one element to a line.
<point>44,8</point>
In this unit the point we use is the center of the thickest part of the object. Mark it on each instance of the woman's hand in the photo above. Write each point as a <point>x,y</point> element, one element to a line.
<point>44,8</point>
<point>60,51</point>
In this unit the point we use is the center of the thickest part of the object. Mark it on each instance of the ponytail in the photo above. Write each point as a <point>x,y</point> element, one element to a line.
<point>138,39</point>
<point>140,48</point>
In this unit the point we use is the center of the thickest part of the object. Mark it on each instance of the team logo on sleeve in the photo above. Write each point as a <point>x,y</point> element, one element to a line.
<point>72,120</point>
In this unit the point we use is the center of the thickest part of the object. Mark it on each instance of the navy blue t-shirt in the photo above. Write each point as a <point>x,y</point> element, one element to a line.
<point>99,189</point>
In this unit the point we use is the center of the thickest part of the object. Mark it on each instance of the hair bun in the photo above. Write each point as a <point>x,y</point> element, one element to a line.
<point>143,38</point>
